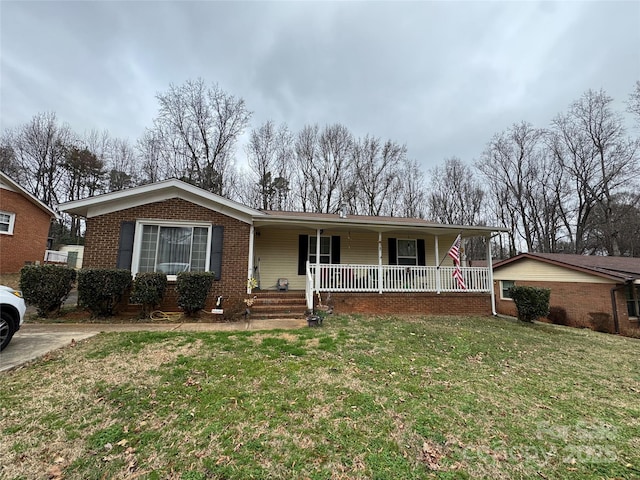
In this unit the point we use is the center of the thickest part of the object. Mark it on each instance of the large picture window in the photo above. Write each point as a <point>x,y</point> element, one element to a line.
<point>6,222</point>
<point>172,249</point>
<point>325,249</point>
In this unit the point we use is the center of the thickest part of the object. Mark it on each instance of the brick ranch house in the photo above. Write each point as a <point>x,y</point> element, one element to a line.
<point>24,226</point>
<point>355,263</point>
<point>601,293</point>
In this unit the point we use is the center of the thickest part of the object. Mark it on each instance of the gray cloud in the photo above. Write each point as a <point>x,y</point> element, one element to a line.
<point>442,77</point>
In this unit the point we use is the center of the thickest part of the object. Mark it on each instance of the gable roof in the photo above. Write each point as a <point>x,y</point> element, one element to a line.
<point>174,188</point>
<point>8,183</point>
<point>616,268</point>
<point>157,192</point>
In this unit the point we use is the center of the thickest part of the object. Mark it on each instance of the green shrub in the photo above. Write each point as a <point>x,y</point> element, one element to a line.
<point>46,286</point>
<point>101,289</point>
<point>148,290</point>
<point>531,302</point>
<point>193,289</point>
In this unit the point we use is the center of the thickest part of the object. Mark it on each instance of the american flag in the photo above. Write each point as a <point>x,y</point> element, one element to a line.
<point>454,252</point>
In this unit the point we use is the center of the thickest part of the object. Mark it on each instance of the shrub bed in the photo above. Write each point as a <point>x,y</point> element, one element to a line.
<point>193,290</point>
<point>531,302</point>
<point>148,291</point>
<point>46,287</point>
<point>100,289</point>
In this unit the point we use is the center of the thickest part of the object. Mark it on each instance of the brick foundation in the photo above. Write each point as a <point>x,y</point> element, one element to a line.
<point>412,303</point>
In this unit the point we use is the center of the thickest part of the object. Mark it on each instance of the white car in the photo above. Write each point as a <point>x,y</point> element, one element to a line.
<point>12,308</point>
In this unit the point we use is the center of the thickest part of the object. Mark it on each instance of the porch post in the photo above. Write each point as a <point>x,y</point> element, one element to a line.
<point>437,254</point>
<point>250,260</point>
<point>490,277</point>
<point>318,231</point>
<point>380,263</point>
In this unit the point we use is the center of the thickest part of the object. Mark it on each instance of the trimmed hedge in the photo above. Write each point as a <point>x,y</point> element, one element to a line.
<point>46,286</point>
<point>531,302</point>
<point>148,290</point>
<point>193,290</point>
<point>101,289</point>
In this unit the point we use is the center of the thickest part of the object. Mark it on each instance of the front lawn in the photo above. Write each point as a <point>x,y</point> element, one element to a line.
<point>361,397</point>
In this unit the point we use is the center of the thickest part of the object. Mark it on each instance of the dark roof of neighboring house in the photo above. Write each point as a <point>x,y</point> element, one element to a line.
<point>623,268</point>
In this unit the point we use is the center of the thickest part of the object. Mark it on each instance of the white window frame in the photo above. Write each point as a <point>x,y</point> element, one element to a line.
<point>415,248</point>
<point>313,246</point>
<point>502,297</point>
<point>10,223</point>
<point>137,241</point>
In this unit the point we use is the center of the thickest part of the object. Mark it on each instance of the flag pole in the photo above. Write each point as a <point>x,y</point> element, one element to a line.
<point>447,254</point>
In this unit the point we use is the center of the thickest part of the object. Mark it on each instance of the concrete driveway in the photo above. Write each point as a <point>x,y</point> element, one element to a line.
<point>35,340</point>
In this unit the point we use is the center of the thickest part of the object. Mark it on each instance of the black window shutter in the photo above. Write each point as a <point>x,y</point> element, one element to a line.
<point>335,249</point>
<point>393,255</point>
<point>303,253</point>
<point>125,245</point>
<point>215,262</point>
<point>422,257</point>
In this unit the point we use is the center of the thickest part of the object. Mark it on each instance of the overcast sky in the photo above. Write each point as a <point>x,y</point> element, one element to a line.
<point>440,77</point>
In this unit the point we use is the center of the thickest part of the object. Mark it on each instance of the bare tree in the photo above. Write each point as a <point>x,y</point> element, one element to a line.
<point>197,127</point>
<point>270,156</point>
<point>306,156</point>
<point>455,196</point>
<point>511,164</point>
<point>591,145</point>
<point>633,103</point>
<point>122,168</point>
<point>39,147</point>
<point>375,172</point>
<point>323,158</point>
<point>409,192</point>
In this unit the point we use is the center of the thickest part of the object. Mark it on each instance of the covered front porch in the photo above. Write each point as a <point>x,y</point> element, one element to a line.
<point>355,257</point>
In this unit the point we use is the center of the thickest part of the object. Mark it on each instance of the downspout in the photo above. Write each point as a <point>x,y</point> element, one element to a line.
<point>614,304</point>
<point>490,267</point>
<point>250,261</point>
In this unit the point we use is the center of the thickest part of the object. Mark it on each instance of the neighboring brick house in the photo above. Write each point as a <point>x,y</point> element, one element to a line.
<point>24,226</point>
<point>602,293</point>
<point>363,264</point>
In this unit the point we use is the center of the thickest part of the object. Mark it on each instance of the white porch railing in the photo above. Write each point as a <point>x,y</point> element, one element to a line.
<point>393,278</point>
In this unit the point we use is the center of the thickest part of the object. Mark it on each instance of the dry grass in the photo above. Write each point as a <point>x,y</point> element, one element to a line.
<point>359,398</point>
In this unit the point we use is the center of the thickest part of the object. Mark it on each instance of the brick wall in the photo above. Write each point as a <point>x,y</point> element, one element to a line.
<point>103,234</point>
<point>588,305</point>
<point>31,229</point>
<point>412,303</point>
